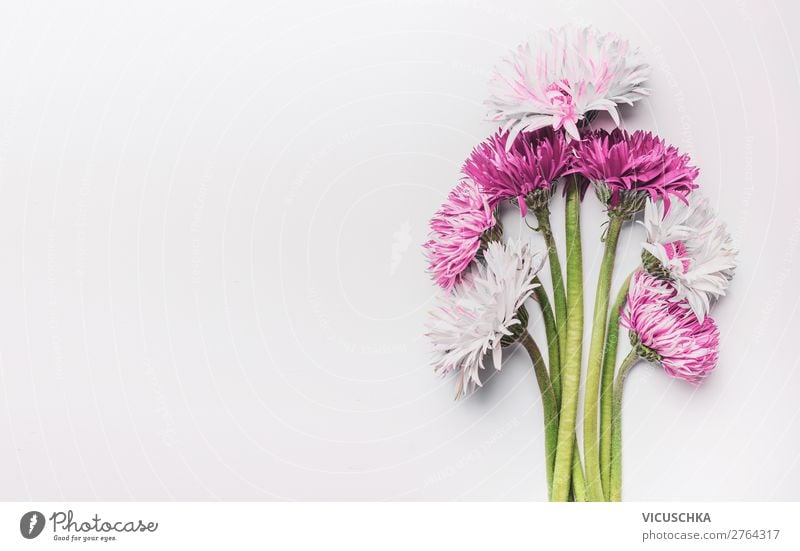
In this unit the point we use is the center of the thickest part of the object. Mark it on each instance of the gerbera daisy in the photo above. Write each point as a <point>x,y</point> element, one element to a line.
<point>526,170</point>
<point>561,77</point>
<point>483,312</point>
<point>626,169</point>
<point>665,331</point>
<point>691,248</point>
<point>458,228</point>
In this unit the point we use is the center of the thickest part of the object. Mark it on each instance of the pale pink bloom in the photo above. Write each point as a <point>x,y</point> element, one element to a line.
<point>457,229</point>
<point>667,332</point>
<point>693,250</point>
<point>483,311</point>
<point>533,162</point>
<point>631,167</point>
<point>563,75</point>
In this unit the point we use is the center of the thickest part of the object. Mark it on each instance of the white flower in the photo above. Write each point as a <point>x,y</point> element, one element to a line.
<point>693,249</point>
<point>565,74</point>
<point>482,309</point>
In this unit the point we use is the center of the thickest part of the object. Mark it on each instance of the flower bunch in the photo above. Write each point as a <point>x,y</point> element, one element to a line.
<point>545,96</point>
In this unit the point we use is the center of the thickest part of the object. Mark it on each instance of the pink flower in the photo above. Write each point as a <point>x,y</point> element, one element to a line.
<point>533,162</point>
<point>562,77</point>
<point>667,331</point>
<point>631,167</point>
<point>456,232</point>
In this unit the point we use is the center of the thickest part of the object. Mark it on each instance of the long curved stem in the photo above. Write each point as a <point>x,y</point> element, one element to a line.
<point>616,426</point>
<point>548,404</point>
<point>571,369</point>
<point>593,373</point>
<point>557,280</point>
<point>553,352</point>
<point>607,384</point>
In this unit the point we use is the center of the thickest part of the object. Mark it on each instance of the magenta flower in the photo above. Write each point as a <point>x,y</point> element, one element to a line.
<point>627,168</point>
<point>533,162</point>
<point>457,229</point>
<point>668,332</point>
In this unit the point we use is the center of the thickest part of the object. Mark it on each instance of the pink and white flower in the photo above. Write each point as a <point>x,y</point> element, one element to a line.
<point>664,330</point>
<point>457,230</point>
<point>562,76</point>
<point>693,250</point>
<point>483,312</point>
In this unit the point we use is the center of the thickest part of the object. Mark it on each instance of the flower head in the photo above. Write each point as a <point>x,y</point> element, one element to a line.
<point>667,332</point>
<point>564,75</point>
<point>690,247</point>
<point>628,168</point>
<point>530,165</point>
<point>457,231</point>
<point>483,312</point>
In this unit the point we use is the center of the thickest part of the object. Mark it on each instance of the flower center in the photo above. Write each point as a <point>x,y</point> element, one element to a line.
<point>561,100</point>
<point>676,253</point>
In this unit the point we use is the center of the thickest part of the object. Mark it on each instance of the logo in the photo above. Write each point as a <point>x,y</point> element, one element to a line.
<point>31,524</point>
<point>67,527</point>
<point>401,239</point>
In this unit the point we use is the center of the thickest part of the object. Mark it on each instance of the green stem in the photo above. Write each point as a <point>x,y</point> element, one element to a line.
<point>593,373</point>
<point>549,405</point>
<point>578,480</point>
<point>616,426</point>
<point>557,279</point>
<point>553,354</point>
<point>607,384</point>
<point>571,368</point>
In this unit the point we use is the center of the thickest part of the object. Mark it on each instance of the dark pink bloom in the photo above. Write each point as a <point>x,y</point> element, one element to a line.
<point>638,162</point>
<point>533,162</point>
<point>665,330</point>
<point>456,232</point>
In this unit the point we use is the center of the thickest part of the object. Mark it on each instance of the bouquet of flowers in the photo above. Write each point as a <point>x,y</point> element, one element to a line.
<point>544,97</point>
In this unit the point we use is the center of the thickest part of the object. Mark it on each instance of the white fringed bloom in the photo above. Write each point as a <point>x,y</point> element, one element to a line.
<point>562,76</point>
<point>693,248</point>
<point>482,309</point>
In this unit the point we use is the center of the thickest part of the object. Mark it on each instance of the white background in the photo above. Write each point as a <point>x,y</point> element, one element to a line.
<point>212,283</point>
